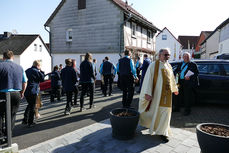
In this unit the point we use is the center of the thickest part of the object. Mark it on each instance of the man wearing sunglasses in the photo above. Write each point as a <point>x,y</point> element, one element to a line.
<point>155,104</point>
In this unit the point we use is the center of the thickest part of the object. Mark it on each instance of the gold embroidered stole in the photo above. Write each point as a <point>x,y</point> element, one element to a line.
<point>166,93</point>
<point>155,76</point>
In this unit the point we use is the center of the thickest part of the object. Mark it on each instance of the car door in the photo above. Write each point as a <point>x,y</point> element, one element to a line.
<point>224,83</point>
<point>210,89</point>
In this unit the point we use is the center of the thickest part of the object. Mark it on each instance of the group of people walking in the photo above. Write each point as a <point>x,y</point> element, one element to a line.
<point>156,85</point>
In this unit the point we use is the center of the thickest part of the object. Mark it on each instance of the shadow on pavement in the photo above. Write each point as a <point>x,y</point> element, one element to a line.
<point>102,141</point>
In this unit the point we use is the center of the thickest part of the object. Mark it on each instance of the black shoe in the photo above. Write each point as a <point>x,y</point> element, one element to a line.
<point>110,94</point>
<point>67,113</point>
<point>31,125</point>
<point>82,109</point>
<point>24,122</point>
<point>92,106</point>
<point>165,139</point>
<point>105,95</point>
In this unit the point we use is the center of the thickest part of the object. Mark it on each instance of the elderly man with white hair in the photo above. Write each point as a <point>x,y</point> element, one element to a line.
<point>155,102</point>
<point>188,80</point>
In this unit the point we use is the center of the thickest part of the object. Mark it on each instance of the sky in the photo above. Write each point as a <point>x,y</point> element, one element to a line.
<point>181,17</point>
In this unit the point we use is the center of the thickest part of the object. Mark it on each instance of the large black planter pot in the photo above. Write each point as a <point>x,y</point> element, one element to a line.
<point>124,127</point>
<point>210,143</point>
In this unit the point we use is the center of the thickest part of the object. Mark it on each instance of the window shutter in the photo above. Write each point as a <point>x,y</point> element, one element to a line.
<point>81,4</point>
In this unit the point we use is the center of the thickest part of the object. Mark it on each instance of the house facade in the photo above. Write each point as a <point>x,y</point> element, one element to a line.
<point>209,47</point>
<point>224,37</point>
<point>101,27</point>
<point>202,37</point>
<point>26,48</point>
<point>165,39</point>
<point>188,43</point>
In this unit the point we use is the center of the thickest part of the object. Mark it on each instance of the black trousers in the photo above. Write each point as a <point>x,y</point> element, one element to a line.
<point>56,92</point>
<point>69,101</point>
<point>108,80</point>
<point>186,95</point>
<point>76,91</point>
<point>85,88</point>
<point>30,109</point>
<point>15,101</point>
<point>127,84</point>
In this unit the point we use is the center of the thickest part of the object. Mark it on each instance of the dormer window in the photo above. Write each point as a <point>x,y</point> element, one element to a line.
<point>69,35</point>
<point>81,4</point>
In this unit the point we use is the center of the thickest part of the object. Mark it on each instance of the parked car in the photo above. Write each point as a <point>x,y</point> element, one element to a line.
<point>46,85</point>
<point>213,79</point>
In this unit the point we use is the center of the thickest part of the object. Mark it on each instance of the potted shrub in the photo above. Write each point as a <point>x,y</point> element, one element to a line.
<point>213,137</point>
<point>124,122</point>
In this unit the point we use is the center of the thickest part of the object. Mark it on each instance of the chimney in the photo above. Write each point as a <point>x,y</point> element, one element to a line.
<point>126,5</point>
<point>7,34</point>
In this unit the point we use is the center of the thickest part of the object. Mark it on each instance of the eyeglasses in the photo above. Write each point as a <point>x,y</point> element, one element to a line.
<point>166,54</point>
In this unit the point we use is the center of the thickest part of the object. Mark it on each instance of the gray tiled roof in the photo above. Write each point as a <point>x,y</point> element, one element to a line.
<point>16,43</point>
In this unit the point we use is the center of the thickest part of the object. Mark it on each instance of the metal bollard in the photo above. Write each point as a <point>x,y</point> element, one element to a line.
<point>8,120</point>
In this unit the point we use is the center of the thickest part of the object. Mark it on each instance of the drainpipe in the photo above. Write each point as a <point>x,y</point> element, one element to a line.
<point>50,48</point>
<point>120,34</point>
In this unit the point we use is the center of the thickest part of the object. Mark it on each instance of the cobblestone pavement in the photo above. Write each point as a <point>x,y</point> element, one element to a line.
<point>54,123</point>
<point>97,138</point>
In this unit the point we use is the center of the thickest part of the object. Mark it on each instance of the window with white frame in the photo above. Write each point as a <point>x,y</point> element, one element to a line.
<point>40,48</point>
<point>149,36</point>
<point>35,47</point>
<point>164,37</point>
<point>69,35</point>
<point>133,29</point>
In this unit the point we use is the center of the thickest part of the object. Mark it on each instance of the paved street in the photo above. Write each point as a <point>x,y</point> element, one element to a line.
<point>54,123</point>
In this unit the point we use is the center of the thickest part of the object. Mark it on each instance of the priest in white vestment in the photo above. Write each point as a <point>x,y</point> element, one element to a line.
<point>155,103</point>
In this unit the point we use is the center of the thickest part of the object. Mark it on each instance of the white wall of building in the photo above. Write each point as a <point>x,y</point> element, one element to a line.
<point>224,46</point>
<point>170,43</point>
<point>224,39</point>
<point>60,59</point>
<point>140,39</point>
<point>212,45</point>
<point>30,54</point>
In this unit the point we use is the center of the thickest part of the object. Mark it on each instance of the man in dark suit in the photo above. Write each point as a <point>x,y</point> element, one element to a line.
<point>128,75</point>
<point>188,81</point>
<point>35,76</point>
<point>87,79</point>
<point>144,68</point>
<point>55,84</point>
<point>108,70</point>
<point>14,81</point>
<point>69,78</point>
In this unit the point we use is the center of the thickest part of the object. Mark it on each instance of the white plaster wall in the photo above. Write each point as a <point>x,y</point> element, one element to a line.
<point>140,40</point>
<point>29,55</point>
<point>212,44</point>
<point>171,43</point>
<point>225,44</point>
<point>60,59</point>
